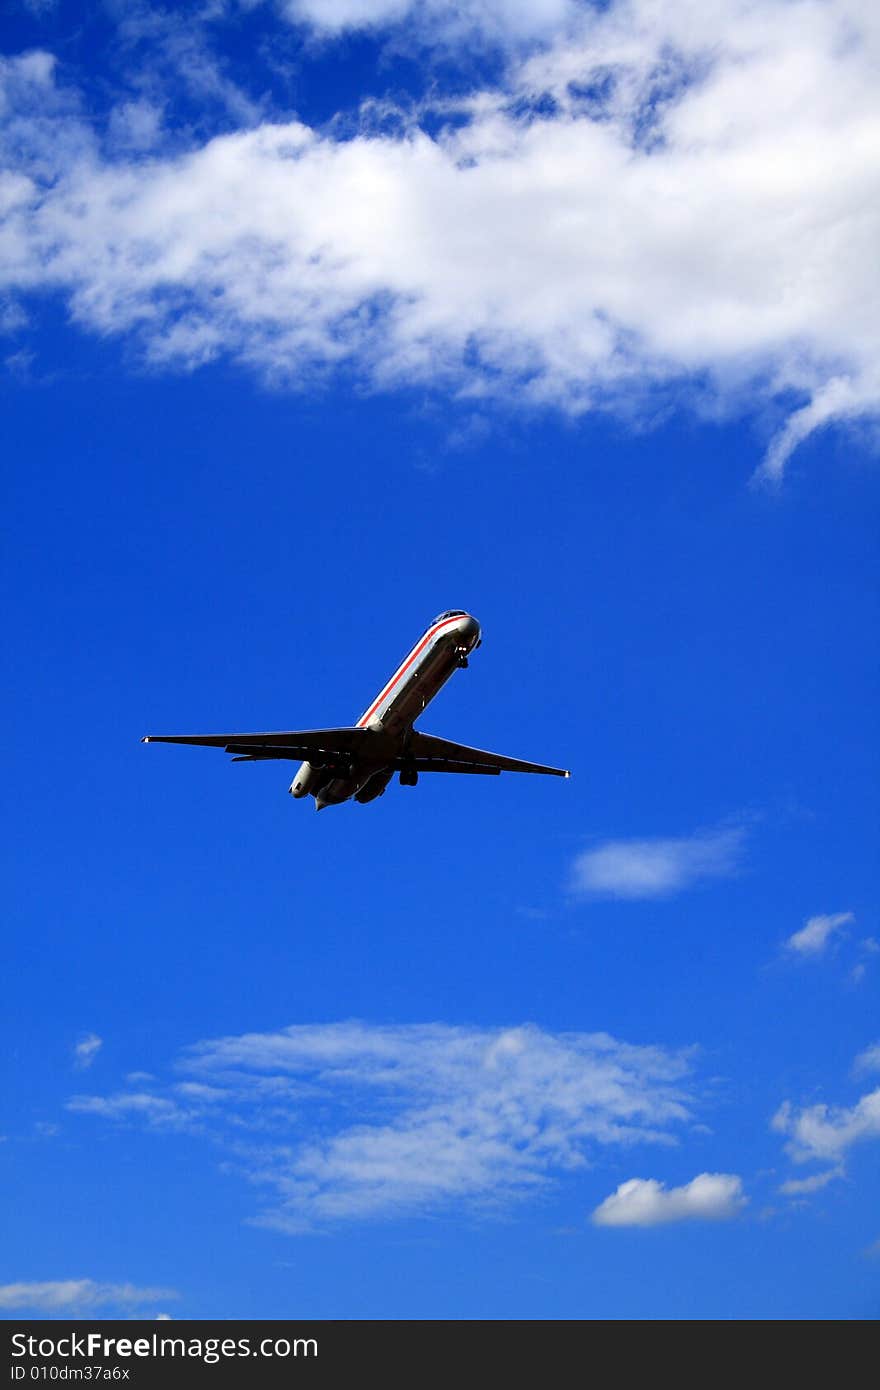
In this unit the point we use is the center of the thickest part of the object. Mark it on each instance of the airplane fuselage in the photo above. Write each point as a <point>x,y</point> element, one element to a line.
<point>440,651</point>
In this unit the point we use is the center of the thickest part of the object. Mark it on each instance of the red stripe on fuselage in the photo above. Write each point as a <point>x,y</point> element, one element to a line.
<point>401,670</point>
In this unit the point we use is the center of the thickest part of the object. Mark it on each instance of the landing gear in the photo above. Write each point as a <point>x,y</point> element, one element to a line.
<point>408,777</point>
<point>463,663</point>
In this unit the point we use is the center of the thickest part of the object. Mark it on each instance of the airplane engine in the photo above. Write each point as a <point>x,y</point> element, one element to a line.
<point>305,781</point>
<point>375,786</point>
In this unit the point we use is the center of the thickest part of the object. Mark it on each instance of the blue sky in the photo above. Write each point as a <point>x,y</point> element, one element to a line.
<point>318,320</point>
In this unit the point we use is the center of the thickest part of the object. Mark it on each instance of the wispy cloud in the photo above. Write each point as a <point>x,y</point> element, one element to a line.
<point>869,1060</point>
<point>826,1132</point>
<point>657,868</point>
<point>817,934</point>
<point>158,1110</point>
<point>646,1202</point>
<point>86,1050</point>
<point>508,23</point>
<point>803,1187</point>
<point>553,240</point>
<point>166,52</point>
<point>345,1121</point>
<point>72,1295</point>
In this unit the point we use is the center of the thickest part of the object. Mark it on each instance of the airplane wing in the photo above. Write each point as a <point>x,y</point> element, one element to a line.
<point>327,744</point>
<point>430,754</point>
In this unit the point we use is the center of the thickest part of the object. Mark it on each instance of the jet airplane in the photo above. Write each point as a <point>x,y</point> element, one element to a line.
<point>359,762</point>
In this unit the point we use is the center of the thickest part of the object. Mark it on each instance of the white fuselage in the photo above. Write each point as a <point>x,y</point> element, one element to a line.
<point>422,673</point>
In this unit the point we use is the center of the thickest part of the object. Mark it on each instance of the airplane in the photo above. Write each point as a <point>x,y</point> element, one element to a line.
<point>359,762</point>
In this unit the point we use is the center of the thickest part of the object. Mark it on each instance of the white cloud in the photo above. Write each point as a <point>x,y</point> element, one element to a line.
<point>663,198</point>
<point>813,938</point>
<point>65,1295</point>
<point>802,1187</point>
<point>349,1120</point>
<point>656,868</point>
<point>646,1202</point>
<point>86,1050</point>
<point>826,1132</point>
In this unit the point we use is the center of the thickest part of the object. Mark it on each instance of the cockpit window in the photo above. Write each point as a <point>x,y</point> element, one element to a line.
<point>450,613</point>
